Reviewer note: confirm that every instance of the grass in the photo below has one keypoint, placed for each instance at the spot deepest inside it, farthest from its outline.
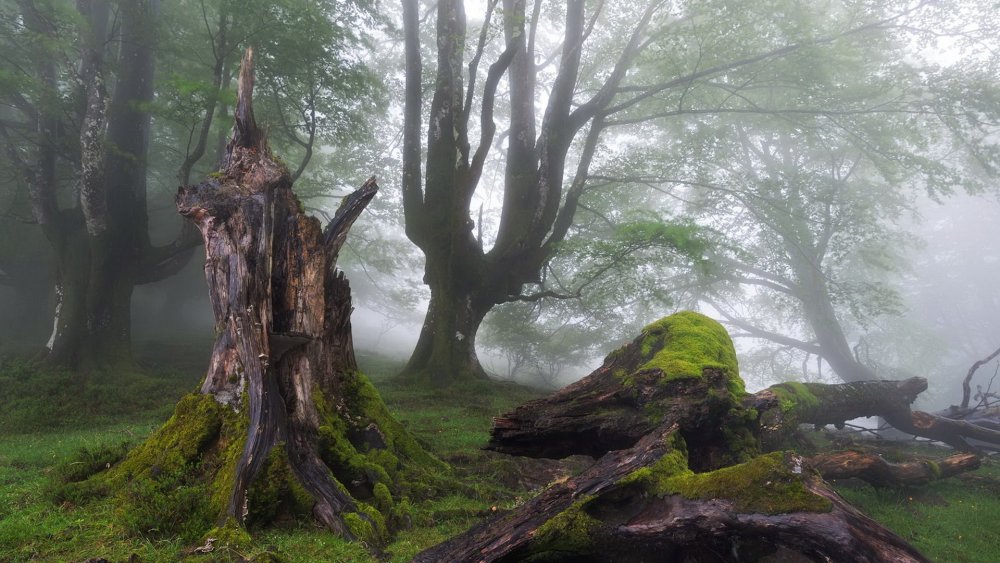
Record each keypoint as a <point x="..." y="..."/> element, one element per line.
<point x="49" y="417"/>
<point x="948" y="520"/>
<point x="43" y="422"/>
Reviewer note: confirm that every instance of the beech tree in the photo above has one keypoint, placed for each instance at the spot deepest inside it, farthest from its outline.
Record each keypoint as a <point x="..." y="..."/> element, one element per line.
<point x="811" y="209"/>
<point x="570" y="89"/>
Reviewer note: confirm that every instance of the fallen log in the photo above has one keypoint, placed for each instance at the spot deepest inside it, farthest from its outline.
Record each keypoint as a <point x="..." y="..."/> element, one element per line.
<point x="682" y="473"/>
<point x="784" y="406"/>
<point x="876" y="470"/>
<point x="644" y="504"/>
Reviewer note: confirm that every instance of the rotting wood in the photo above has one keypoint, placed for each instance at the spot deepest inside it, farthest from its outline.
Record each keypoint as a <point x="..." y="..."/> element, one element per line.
<point x="681" y="449"/>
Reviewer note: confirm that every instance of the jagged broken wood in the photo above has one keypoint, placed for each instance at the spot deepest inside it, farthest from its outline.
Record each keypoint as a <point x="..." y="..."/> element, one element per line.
<point x="642" y="504"/>
<point x="682" y="474"/>
<point x="281" y="309"/>
<point x="283" y="422"/>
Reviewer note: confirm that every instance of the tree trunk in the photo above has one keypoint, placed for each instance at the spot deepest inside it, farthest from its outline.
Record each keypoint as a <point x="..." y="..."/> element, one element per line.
<point x="680" y="474"/>
<point x="644" y="504"/>
<point x="92" y="324"/>
<point x="877" y="471"/>
<point x="99" y="245"/>
<point x="446" y="348"/>
<point x="465" y="280"/>
<point x="283" y="421"/>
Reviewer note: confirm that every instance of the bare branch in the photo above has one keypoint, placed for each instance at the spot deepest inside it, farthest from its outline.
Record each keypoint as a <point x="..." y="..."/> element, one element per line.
<point x="966" y="390"/>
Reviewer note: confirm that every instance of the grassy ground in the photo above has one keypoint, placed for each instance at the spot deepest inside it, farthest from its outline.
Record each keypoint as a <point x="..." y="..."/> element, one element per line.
<point x="43" y="423"/>
<point x="951" y="520"/>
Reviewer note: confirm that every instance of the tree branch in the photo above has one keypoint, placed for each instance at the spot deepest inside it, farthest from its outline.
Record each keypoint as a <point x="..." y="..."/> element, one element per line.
<point x="758" y="332"/>
<point x="966" y="388"/>
<point x="487" y="125"/>
<point x="350" y="208"/>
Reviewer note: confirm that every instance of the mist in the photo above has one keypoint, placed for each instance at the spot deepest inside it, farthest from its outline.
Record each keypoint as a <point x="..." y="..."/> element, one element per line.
<point x="522" y="198"/>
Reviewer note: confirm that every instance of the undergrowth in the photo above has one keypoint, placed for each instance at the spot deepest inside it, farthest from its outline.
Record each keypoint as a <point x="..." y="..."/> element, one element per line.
<point x="56" y="430"/>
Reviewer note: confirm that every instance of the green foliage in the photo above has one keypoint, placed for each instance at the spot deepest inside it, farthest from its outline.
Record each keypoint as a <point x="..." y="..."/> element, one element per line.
<point x="89" y="461"/>
<point x="943" y="519"/>
<point x="947" y="520"/>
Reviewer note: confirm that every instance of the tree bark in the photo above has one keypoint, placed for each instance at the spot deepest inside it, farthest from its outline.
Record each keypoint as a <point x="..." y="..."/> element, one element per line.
<point x="465" y="280"/>
<point x="101" y="246"/>
<point x="680" y="474"/>
<point x="640" y="504"/>
<point x="784" y="406"/>
<point x="98" y="245"/>
<point x="283" y="367"/>
<point x="877" y="471"/>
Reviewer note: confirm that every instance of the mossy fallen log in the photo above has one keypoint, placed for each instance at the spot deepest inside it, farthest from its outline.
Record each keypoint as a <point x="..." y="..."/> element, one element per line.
<point x="683" y="470"/>
<point x="784" y="406"/>
<point x="681" y="369"/>
<point x="645" y="504"/>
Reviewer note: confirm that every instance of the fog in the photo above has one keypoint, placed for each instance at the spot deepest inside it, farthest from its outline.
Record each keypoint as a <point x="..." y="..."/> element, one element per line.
<point x="922" y="303"/>
<point x="711" y="225"/>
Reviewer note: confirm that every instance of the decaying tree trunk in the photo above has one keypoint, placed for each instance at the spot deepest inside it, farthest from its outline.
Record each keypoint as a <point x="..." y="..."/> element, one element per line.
<point x="876" y="470"/>
<point x="784" y="406"/>
<point x="283" y="421"/>
<point x="643" y="504"/>
<point x="682" y="471"/>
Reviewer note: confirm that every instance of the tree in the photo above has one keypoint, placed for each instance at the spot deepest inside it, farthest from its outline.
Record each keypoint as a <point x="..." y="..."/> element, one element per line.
<point x="695" y="61"/>
<point x="811" y="211"/>
<point x="65" y="129"/>
<point x="284" y="422"/>
<point x="97" y="269"/>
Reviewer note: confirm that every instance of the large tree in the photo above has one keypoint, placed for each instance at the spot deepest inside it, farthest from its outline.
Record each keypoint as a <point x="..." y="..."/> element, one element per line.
<point x="813" y="205"/>
<point x="578" y="76"/>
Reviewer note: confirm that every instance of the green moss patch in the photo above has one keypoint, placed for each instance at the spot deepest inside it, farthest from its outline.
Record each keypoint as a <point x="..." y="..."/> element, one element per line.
<point x="684" y="344"/>
<point x="175" y="483"/>
<point x="572" y="530"/>
<point x="764" y="484"/>
<point x="794" y="396"/>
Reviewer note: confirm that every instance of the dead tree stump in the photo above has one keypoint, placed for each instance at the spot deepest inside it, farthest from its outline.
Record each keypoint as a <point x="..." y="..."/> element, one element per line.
<point x="283" y="421"/>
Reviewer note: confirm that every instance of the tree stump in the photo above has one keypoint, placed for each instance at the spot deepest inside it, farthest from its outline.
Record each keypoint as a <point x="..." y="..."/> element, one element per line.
<point x="683" y="472"/>
<point x="283" y="421"/>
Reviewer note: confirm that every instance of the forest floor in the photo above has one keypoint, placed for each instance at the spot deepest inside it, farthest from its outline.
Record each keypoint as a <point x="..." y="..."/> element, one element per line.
<point x="46" y="419"/>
